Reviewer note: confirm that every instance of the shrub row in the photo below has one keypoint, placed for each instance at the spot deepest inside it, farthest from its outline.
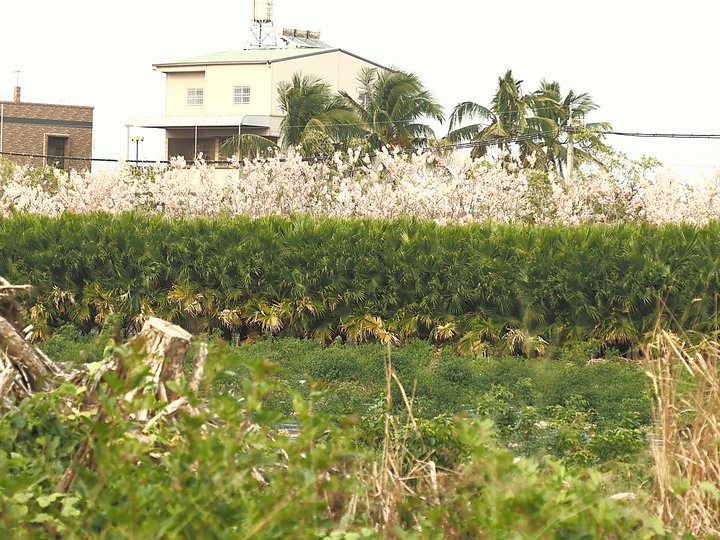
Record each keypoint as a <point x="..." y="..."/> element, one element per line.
<point x="324" y="277"/>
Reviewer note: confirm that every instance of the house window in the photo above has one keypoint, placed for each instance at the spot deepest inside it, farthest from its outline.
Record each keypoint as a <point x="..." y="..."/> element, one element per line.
<point x="56" y="151"/>
<point x="195" y="97"/>
<point x="241" y="95"/>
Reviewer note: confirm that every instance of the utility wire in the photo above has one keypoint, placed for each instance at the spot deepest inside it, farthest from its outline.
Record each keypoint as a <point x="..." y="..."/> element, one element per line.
<point x="664" y="135"/>
<point x="536" y="135"/>
<point x="74" y="158"/>
<point x="115" y="160"/>
<point x="449" y="146"/>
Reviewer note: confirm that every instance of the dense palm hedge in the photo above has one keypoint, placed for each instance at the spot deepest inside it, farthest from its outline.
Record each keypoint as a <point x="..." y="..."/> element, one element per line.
<point x="323" y="278"/>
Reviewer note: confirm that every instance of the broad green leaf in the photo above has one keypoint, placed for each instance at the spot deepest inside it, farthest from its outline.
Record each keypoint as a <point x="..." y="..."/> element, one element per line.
<point x="710" y="488"/>
<point x="43" y="518"/>
<point x="68" y="510"/>
<point x="22" y="497"/>
<point x="16" y="511"/>
<point x="46" y="500"/>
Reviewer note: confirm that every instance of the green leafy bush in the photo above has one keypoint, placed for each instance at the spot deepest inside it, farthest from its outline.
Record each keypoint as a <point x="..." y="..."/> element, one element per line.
<point x="68" y="346"/>
<point x="230" y="471"/>
<point x="38" y="443"/>
<point x="348" y="364"/>
<point x="614" y="390"/>
<point x="522" y="397"/>
<point x="7" y="169"/>
<point x="499" y="496"/>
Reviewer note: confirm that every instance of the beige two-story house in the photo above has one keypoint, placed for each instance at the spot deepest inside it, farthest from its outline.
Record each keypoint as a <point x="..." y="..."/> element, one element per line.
<point x="213" y="97"/>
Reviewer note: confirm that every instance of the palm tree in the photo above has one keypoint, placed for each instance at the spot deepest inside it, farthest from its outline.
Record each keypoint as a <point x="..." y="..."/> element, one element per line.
<point x="391" y="106"/>
<point x="505" y="124"/>
<point x="248" y="145"/>
<point x="567" y="114"/>
<point x="313" y="113"/>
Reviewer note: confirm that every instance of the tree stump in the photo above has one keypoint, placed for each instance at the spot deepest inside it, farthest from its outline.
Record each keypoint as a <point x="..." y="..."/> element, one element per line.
<point x="10" y="310"/>
<point x="164" y="346"/>
<point x="25" y="370"/>
<point x="23" y="357"/>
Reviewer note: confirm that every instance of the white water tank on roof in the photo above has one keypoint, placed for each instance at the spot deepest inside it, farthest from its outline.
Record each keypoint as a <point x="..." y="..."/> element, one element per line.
<point x="262" y="11"/>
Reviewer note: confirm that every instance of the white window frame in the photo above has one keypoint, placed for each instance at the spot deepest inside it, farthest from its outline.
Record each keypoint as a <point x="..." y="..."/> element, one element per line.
<point x="241" y="94"/>
<point x="195" y="97"/>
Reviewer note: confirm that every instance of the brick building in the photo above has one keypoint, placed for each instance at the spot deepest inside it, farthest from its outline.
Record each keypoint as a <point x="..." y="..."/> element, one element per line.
<point x="39" y="134"/>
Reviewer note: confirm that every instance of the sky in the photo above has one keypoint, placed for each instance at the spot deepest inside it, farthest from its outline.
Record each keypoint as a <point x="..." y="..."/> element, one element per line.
<point x="651" y="65"/>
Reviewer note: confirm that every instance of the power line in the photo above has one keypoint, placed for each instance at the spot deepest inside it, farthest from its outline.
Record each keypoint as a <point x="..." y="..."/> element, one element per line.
<point x="664" y="135"/>
<point x="128" y="161"/>
<point x="72" y="158"/>
<point x="539" y="134"/>
<point x="524" y="137"/>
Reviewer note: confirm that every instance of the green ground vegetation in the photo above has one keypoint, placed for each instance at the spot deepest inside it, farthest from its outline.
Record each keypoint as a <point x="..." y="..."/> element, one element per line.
<point x="561" y="406"/>
<point x="231" y="472"/>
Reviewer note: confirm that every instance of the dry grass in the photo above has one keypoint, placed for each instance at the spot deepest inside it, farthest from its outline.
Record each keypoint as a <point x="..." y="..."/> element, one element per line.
<point x="687" y="438"/>
<point x="398" y="475"/>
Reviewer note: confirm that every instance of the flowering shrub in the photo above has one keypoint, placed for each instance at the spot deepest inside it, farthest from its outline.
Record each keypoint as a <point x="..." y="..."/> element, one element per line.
<point x="441" y="187"/>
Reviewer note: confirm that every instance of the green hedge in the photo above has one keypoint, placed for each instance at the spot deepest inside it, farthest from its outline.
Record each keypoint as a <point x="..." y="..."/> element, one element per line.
<point x="324" y="278"/>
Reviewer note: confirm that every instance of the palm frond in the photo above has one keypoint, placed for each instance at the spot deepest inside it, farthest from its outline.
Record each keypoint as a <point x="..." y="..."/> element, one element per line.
<point x="248" y="145"/>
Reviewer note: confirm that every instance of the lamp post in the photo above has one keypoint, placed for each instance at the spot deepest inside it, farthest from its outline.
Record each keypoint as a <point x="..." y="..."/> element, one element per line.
<point x="137" y="140"/>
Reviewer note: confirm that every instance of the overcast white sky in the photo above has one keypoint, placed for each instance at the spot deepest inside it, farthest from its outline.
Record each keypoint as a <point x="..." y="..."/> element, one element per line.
<point x="650" y="64"/>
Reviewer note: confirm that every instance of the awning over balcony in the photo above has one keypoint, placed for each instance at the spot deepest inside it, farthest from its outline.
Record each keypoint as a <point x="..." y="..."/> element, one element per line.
<point x="170" y="122"/>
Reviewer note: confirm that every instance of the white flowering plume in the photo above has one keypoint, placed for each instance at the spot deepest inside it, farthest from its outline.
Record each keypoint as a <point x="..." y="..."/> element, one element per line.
<point x="439" y="187"/>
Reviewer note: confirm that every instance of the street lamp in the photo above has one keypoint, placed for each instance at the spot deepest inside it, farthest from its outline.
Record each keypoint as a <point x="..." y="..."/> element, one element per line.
<point x="137" y="140"/>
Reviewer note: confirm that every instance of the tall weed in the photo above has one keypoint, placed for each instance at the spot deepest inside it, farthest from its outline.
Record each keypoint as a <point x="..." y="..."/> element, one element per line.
<point x="687" y="436"/>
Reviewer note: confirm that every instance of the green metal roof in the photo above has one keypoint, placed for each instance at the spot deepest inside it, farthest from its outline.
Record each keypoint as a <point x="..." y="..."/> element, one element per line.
<point x="255" y="56"/>
<point x="246" y="56"/>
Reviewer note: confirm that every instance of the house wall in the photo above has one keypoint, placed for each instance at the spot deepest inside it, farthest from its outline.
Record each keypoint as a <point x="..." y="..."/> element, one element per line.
<point x="349" y="67"/>
<point x="27" y="126"/>
<point x="221" y="81"/>
<point x="336" y="68"/>
<point x="176" y="87"/>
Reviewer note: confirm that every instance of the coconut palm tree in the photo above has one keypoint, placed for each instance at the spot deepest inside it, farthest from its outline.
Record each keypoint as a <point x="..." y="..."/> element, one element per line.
<point x="567" y="113"/>
<point x="506" y="124"/>
<point x="248" y="145"/>
<point x="313" y="113"/>
<point x="392" y="106"/>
